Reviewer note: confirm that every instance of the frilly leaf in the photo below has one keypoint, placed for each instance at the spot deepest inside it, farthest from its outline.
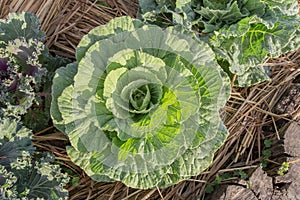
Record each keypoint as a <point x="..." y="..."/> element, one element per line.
<point x="286" y="7"/>
<point x="269" y="24"/>
<point x="15" y="142"/>
<point x="22" y="55"/>
<point x="18" y="25"/>
<point x="23" y="176"/>
<point x="36" y="180"/>
<point x="247" y="44"/>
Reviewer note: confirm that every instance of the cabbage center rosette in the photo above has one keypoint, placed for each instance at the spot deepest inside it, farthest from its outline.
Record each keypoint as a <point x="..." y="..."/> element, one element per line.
<point x="141" y="105"/>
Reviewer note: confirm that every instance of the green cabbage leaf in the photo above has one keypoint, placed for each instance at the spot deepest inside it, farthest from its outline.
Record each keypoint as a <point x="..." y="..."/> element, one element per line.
<point x="141" y="104"/>
<point x="242" y="33"/>
<point x="246" y="45"/>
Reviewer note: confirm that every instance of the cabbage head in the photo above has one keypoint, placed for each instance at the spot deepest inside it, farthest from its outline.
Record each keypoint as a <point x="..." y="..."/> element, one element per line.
<point x="141" y="104"/>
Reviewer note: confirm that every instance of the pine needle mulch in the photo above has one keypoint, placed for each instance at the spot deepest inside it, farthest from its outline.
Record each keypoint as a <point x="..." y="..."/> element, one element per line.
<point x="245" y="115"/>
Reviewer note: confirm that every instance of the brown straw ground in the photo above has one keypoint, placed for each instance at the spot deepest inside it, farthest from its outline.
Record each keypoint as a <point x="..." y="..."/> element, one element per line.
<point x="66" y="21"/>
<point x="247" y="111"/>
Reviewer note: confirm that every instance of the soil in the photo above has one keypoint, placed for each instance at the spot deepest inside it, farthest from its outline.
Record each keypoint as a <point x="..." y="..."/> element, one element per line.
<point x="260" y="186"/>
<point x="265" y="183"/>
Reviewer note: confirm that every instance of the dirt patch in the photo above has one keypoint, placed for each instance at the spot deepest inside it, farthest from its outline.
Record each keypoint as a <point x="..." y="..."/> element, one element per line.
<point x="260" y="186"/>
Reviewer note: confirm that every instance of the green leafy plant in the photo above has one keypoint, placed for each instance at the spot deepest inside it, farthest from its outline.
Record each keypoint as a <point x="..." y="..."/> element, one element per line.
<point x="241" y="174"/>
<point x="284" y="168"/>
<point x="210" y="188"/>
<point x="20" y="70"/>
<point x="242" y="33"/>
<point x="25" y="72"/>
<point x="24" y="64"/>
<point x="266" y="153"/>
<point x="225" y="177"/>
<point x="141" y="104"/>
<point x="268" y="143"/>
<point x="24" y="174"/>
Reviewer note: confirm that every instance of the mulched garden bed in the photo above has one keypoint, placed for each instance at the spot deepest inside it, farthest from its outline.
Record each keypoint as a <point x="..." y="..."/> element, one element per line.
<point x="254" y="116"/>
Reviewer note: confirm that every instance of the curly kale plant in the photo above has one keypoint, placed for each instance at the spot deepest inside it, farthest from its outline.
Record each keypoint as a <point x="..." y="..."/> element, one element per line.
<point x="22" y="174"/>
<point x="242" y="33"/>
<point x="24" y="62"/>
<point x="20" y="68"/>
<point x="141" y="105"/>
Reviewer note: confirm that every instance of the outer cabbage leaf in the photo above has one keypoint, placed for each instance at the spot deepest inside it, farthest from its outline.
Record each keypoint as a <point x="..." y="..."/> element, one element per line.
<point x="247" y="44"/>
<point x="64" y="77"/>
<point x="113" y="27"/>
<point x="144" y="104"/>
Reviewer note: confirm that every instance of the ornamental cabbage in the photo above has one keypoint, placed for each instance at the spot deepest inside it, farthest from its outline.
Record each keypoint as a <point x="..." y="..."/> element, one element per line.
<point x="25" y="65"/>
<point x="24" y="174"/>
<point x="20" y="68"/>
<point x="242" y="33"/>
<point x="141" y="104"/>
